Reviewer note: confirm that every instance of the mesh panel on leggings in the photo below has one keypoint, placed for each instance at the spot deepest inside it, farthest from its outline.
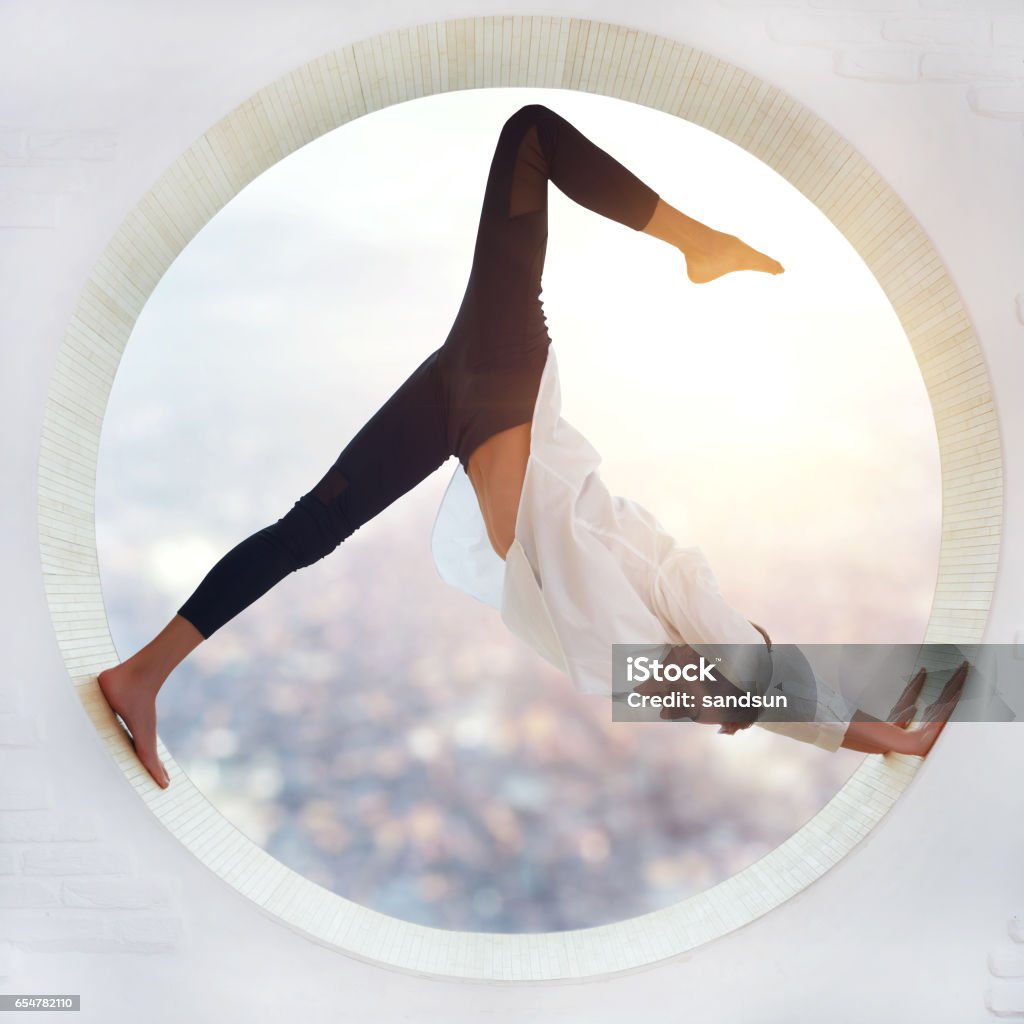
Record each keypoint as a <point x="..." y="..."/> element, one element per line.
<point x="528" y="193"/>
<point x="330" y="488"/>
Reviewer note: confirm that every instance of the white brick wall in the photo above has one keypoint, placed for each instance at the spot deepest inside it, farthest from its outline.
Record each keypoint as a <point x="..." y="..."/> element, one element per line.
<point x="1004" y="995"/>
<point x="863" y="5"/>
<point x="971" y="32"/>
<point x="879" y="65"/>
<point x="18" y="730"/>
<point x="812" y="28"/>
<point x="62" y="888"/>
<point x="92" y="896"/>
<point x="323" y="94"/>
<point x="1008" y="32"/>
<point x="1002" y="101"/>
<point x="972" y="67"/>
<point x="38" y="167"/>
<point x="984" y="6"/>
<point x="903" y="42"/>
<point x="11" y="962"/>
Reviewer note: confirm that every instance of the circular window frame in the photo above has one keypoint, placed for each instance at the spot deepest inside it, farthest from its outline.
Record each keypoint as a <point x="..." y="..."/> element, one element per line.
<point x="521" y="51"/>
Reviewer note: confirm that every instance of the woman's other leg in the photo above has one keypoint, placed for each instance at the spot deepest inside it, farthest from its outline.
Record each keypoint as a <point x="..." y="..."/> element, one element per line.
<point x="709" y="253"/>
<point x="553" y="149"/>
<point x="401" y="444"/>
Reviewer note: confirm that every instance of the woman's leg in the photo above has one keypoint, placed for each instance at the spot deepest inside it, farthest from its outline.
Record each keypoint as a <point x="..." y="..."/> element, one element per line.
<point x="552" y="149"/>
<point x="544" y="146"/>
<point x="402" y="443"/>
<point x="501" y="319"/>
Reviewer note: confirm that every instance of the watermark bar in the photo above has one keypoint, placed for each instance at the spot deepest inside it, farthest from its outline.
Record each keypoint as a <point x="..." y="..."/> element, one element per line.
<point x="34" y="1002"/>
<point x="741" y="683"/>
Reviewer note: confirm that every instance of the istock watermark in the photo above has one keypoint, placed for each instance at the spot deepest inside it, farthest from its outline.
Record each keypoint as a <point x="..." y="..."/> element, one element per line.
<point x="817" y="682"/>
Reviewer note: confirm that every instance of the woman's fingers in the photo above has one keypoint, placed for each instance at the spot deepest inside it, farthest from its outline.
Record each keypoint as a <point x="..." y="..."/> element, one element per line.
<point x="902" y="712"/>
<point x="913" y="691"/>
<point x="951" y="691"/>
<point x="904" y="720"/>
<point x="938" y="712"/>
<point x="934" y="725"/>
<point x="942" y="708"/>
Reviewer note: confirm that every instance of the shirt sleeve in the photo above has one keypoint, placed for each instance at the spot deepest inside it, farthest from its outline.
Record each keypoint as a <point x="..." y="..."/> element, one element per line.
<point x="686" y="597"/>
<point x="822" y="715"/>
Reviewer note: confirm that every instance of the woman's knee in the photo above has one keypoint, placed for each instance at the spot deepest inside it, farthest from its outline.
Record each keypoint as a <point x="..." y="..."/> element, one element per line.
<point x="530" y="114"/>
<point x="310" y="530"/>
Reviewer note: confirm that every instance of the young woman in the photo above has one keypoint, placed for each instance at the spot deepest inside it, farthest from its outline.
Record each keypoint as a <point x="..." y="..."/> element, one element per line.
<point x="572" y="568"/>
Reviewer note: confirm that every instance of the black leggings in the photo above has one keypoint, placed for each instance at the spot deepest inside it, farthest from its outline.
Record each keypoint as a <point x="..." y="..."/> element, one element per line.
<point x="482" y="380"/>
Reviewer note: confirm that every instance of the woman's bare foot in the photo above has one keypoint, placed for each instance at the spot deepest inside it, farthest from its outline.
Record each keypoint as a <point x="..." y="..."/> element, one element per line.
<point x="133" y="698"/>
<point x="709" y="253"/>
<point x="721" y="254"/>
<point x="131" y="687"/>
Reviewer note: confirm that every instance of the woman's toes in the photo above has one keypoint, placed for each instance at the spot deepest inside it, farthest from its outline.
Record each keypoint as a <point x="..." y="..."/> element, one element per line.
<point x="152" y="763"/>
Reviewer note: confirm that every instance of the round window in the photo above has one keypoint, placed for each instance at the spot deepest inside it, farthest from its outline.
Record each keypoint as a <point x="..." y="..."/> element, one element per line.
<point x="384" y="734"/>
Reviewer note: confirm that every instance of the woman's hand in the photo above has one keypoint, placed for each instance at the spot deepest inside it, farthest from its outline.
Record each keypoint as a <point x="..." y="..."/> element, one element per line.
<point x="902" y="712"/>
<point x="937" y="713"/>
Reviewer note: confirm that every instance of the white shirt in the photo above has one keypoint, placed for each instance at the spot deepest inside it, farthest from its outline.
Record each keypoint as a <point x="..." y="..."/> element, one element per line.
<point x="588" y="569"/>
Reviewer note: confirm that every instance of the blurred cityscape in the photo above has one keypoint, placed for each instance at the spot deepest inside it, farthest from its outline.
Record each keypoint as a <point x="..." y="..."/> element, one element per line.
<point x="414" y="757"/>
